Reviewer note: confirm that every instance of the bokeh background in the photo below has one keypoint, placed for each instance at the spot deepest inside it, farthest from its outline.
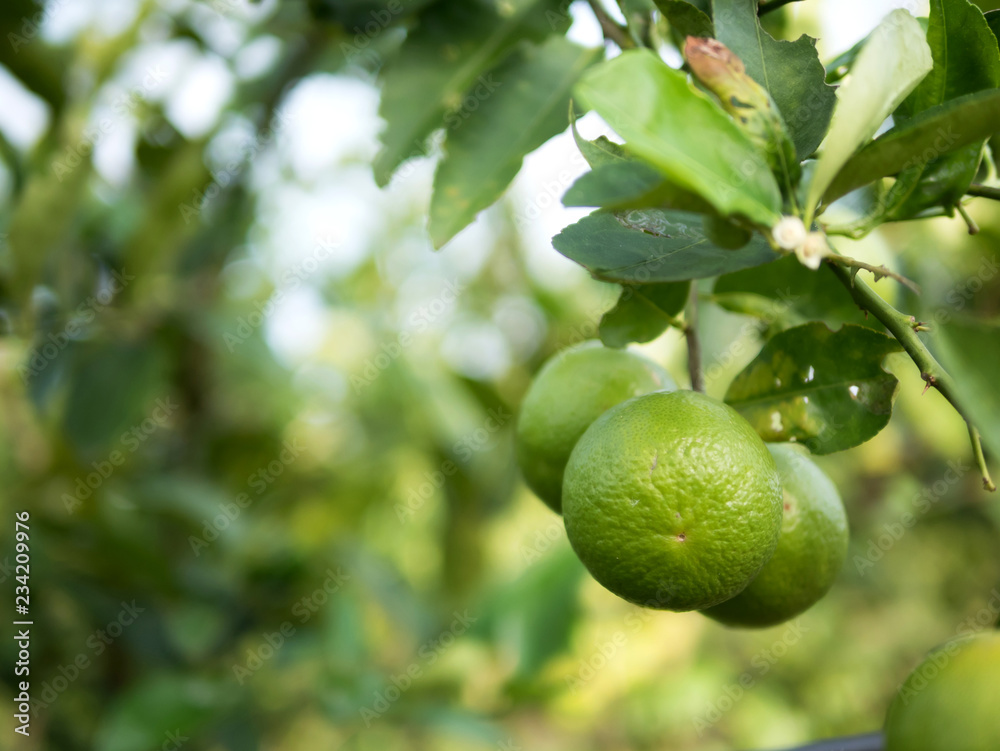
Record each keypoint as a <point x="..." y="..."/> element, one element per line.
<point x="264" y="432"/>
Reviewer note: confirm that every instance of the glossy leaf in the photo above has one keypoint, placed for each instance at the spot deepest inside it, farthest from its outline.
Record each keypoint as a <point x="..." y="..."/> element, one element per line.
<point x="450" y="53"/>
<point x="643" y="312"/>
<point x="894" y="60"/>
<point x="970" y="352"/>
<point x="686" y="19"/>
<point x="664" y="120"/>
<point x="653" y="245"/>
<point x="790" y="71"/>
<point x="630" y="184"/>
<point x="966" y="60"/>
<point x="484" y="151"/>
<point x="936" y="131"/>
<point x="825" y="389"/>
<point x="993" y="21"/>
<point x="786" y="293"/>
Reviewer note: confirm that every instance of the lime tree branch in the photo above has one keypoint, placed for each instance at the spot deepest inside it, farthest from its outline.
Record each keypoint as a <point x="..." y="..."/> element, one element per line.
<point x="612" y="30"/>
<point x="983" y="191"/>
<point x="904" y="328"/>
<point x="878" y="271"/>
<point x="767" y="7"/>
<point x="867" y="742"/>
<point x="693" y="343"/>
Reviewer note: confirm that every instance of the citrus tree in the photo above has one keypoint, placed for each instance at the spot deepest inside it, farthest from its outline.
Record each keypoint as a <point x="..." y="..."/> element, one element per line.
<point x="739" y="164"/>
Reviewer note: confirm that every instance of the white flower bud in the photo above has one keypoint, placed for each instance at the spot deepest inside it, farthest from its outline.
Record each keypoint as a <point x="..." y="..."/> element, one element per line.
<point x="789" y="233"/>
<point x="812" y="252"/>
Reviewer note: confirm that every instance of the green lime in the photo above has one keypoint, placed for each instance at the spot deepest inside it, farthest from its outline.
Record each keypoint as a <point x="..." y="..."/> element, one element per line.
<point x="672" y="501"/>
<point x="951" y="701"/>
<point x="810" y="552"/>
<point x="574" y="388"/>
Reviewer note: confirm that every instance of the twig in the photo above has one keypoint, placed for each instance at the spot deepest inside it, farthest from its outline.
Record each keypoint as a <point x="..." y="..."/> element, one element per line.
<point x="878" y="271"/>
<point x="766" y="7"/>
<point x="905" y="328"/>
<point x="969" y="221"/>
<point x="983" y="191"/>
<point x="867" y="742"/>
<point x="612" y="30"/>
<point x="977" y="450"/>
<point x="693" y="343"/>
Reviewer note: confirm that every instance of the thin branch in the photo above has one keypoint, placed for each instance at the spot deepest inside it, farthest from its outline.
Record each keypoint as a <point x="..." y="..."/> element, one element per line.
<point x="612" y="30"/>
<point x="693" y="343"/>
<point x="867" y="742"/>
<point x="977" y="450"/>
<point x="767" y="7"/>
<point x="983" y="191"/>
<point x="905" y="329"/>
<point x="878" y="271"/>
<point x="969" y="221"/>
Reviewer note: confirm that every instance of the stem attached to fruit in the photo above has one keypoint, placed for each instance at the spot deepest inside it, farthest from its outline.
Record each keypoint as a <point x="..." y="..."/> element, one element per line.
<point x="693" y="343"/>
<point x="904" y="328"/>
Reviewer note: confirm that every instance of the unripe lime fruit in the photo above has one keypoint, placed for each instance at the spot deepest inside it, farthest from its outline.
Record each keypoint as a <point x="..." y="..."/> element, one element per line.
<point x="574" y="388"/>
<point x="951" y="701"/>
<point x="672" y="501"/>
<point x="810" y="552"/>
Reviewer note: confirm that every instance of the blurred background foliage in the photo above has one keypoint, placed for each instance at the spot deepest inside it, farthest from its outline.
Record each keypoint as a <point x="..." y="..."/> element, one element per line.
<point x="264" y="432"/>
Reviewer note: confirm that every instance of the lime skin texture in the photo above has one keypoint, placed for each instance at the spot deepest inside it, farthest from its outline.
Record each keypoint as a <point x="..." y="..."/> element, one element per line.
<point x="951" y="702"/>
<point x="810" y="552"/>
<point x="672" y="501"/>
<point x="572" y="389"/>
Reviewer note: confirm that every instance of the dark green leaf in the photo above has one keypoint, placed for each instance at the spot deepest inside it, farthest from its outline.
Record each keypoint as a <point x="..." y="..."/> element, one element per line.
<point x="485" y="148"/>
<point x="825" y="389"/>
<point x="787" y="293"/>
<point x="790" y="71"/>
<point x="686" y="19"/>
<point x="653" y="245"/>
<point x="970" y="352"/>
<point x="993" y="21"/>
<point x="630" y="184"/>
<point x="642" y="313"/>
<point x="939" y="130"/>
<point x="450" y="53"/>
<point x="666" y="122"/>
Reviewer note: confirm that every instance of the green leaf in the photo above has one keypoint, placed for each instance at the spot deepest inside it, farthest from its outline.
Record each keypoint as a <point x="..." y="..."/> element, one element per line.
<point x="970" y="352"/>
<point x="790" y="71"/>
<point x="993" y="21"/>
<point x="892" y="62"/>
<point x="681" y="132"/>
<point x="653" y="245"/>
<point x="787" y="293"/>
<point x="484" y="151"/>
<point x="686" y="19"/>
<point x="966" y="60"/>
<point x="936" y="131"/>
<point x="642" y="313"/>
<point x="630" y="185"/>
<point x="450" y="53"/>
<point x="825" y="389"/>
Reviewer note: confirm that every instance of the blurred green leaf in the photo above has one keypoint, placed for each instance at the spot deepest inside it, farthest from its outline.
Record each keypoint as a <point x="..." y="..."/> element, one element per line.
<point x="790" y="71"/>
<point x="686" y="19"/>
<point x="664" y="121"/>
<point x="642" y="313"/>
<point x="451" y="52"/>
<point x="891" y="64"/>
<point x="970" y="352"/>
<point x="653" y="245"/>
<point x="825" y="389"/>
<point x="485" y="147"/>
